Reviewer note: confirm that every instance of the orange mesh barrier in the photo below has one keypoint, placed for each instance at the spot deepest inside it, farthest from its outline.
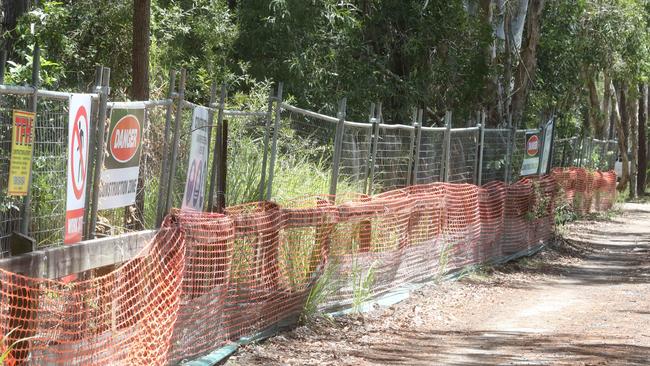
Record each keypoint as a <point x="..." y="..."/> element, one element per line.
<point x="586" y="190"/>
<point x="208" y="279"/>
<point x="123" y="318"/>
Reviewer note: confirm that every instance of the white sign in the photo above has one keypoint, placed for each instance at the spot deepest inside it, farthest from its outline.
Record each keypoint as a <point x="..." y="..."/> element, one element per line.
<point x="546" y="151"/>
<point x="197" y="169"/>
<point x="119" y="180"/>
<point x="78" y="138"/>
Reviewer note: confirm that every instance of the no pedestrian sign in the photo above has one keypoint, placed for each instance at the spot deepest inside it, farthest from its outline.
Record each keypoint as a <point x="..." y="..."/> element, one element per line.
<point x="22" y="150"/>
<point x="78" y="138"/>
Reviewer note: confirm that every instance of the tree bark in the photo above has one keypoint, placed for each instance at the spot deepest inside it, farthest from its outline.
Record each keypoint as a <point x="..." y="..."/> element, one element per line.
<point x="633" y="106"/>
<point x="526" y="69"/>
<point x="622" y="141"/>
<point x="12" y="10"/>
<point x="595" y="113"/>
<point x="134" y="216"/>
<point x="140" y="51"/>
<point x="606" y="109"/>
<point x="643" y="147"/>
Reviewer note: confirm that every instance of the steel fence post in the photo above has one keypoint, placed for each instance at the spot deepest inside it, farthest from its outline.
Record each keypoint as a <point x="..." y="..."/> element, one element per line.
<point x="509" y="152"/>
<point x="338" y="146"/>
<point x="447" y="147"/>
<point x="418" y="142"/>
<point x="175" y="141"/>
<point x="371" y="117"/>
<point x="267" y="133"/>
<point x="36" y="82"/>
<point x="101" y="143"/>
<point x="274" y="145"/>
<point x="162" y="183"/>
<point x="93" y="152"/>
<point x="478" y="178"/>
<point x="409" y="167"/>
<point x="218" y="142"/>
<point x="222" y="168"/>
<point x="213" y="99"/>
<point x="375" y="120"/>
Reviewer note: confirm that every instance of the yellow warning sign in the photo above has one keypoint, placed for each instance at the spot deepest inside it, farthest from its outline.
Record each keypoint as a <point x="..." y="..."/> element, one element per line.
<point x="22" y="149"/>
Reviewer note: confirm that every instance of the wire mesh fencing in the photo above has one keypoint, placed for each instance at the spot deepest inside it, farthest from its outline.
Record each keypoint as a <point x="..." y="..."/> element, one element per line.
<point x="495" y="149"/>
<point x="394" y="157"/>
<point x="430" y="165"/>
<point x="464" y="152"/>
<point x="11" y="208"/>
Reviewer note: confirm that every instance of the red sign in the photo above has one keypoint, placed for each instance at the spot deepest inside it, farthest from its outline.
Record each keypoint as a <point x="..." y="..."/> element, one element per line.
<point x="532" y="145"/>
<point x="79" y="133"/>
<point x="125" y="139"/>
<point x="78" y="151"/>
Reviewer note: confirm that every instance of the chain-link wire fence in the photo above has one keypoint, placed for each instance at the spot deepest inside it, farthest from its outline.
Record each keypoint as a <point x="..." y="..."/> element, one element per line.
<point x="394" y="156"/>
<point x="430" y="165"/>
<point x="495" y="149"/>
<point x="11" y="207"/>
<point x="464" y="155"/>
<point x="374" y="157"/>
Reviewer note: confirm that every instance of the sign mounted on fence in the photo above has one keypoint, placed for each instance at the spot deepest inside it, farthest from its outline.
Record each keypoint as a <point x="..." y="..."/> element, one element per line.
<point x="119" y="180"/>
<point x="78" y="138"/>
<point x="547" y="151"/>
<point x="530" y="166"/>
<point x="22" y="150"/>
<point x="197" y="169"/>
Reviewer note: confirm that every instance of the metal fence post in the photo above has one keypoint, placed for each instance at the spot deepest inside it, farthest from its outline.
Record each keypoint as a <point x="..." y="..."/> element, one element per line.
<point x="222" y="168"/>
<point x="418" y="143"/>
<point x="101" y="144"/>
<point x="175" y="141"/>
<point x="267" y="133"/>
<point x="509" y="151"/>
<point x="93" y="152"/>
<point x="217" y="147"/>
<point x="478" y="178"/>
<point x="162" y="183"/>
<point x="375" y="120"/>
<point x="36" y="82"/>
<point x="409" y="168"/>
<point x="274" y="145"/>
<point x="338" y="146"/>
<point x="371" y="117"/>
<point x="447" y="148"/>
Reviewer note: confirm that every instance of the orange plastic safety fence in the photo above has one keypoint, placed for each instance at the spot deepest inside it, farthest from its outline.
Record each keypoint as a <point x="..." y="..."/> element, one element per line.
<point x="209" y="279"/>
<point x="125" y="317"/>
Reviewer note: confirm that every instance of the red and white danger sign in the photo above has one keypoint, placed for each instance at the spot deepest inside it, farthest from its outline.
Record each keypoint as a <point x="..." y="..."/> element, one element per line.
<point x="78" y="137"/>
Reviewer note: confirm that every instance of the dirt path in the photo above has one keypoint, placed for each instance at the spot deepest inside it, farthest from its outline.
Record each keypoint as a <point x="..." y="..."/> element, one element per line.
<point x="585" y="301"/>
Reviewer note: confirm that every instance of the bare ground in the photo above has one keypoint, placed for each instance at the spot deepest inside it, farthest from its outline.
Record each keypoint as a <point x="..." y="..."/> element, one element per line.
<point x="583" y="301"/>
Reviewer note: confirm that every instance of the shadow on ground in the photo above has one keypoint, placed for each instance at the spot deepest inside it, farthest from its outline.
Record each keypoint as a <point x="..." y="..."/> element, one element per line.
<point x="496" y="348"/>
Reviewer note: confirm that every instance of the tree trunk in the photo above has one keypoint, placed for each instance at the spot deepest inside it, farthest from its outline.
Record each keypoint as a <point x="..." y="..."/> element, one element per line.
<point x="606" y="110"/>
<point x="633" y="105"/>
<point x="643" y="147"/>
<point x="134" y="216"/>
<point x="526" y="69"/>
<point x="12" y="10"/>
<point x="622" y="141"/>
<point x="140" y="51"/>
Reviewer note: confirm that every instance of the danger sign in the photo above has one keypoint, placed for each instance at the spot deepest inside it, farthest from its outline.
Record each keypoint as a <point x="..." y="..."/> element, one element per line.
<point x="530" y="165"/>
<point x="119" y="181"/>
<point x="532" y="145"/>
<point x="78" y="138"/>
